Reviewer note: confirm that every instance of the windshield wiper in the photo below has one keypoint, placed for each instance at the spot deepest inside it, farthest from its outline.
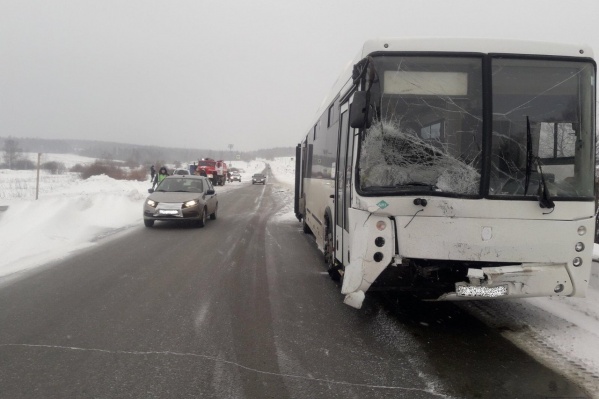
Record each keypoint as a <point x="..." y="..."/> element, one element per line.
<point x="529" y="156"/>
<point x="544" y="200"/>
<point x="543" y="191"/>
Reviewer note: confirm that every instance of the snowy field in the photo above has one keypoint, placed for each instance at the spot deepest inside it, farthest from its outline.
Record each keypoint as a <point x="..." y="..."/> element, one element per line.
<point x="71" y="214"/>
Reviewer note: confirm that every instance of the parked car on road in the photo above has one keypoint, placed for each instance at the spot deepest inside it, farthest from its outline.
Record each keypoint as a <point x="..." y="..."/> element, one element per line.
<point x="180" y="198"/>
<point x="258" y="178"/>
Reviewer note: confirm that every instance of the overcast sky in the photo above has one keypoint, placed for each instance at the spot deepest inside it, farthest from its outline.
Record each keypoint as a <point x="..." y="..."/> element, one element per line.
<point x="209" y="73"/>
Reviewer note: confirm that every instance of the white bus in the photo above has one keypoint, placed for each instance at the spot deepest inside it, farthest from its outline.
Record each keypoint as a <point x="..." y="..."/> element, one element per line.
<point x="455" y="169"/>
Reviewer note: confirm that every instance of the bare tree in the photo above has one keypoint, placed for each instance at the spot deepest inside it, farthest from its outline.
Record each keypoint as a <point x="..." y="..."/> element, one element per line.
<point x="12" y="152"/>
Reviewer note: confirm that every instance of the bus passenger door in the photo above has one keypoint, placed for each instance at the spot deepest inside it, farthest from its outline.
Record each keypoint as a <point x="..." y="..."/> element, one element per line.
<point x="341" y="188"/>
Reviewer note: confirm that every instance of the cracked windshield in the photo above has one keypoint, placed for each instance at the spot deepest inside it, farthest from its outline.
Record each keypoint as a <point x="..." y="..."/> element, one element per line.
<point x="541" y="131"/>
<point x="427" y="130"/>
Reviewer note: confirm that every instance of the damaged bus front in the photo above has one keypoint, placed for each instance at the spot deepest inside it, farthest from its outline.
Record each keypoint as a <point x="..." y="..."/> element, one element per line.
<point x="463" y="174"/>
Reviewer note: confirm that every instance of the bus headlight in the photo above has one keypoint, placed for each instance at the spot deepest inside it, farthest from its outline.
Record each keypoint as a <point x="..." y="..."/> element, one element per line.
<point x="582" y="230"/>
<point x="579" y="247"/>
<point x="381" y="225"/>
<point x="577" y="262"/>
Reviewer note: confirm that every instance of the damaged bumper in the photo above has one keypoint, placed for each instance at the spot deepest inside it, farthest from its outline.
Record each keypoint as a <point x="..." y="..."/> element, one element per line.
<point x="514" y="282"/>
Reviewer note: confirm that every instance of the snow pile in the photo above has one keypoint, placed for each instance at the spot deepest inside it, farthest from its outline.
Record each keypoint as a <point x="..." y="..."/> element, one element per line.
<point x="67" y="216"/>
<point x="284" y="169"/>
<point x="391" y="157"/>
<point x="21" y="183"/>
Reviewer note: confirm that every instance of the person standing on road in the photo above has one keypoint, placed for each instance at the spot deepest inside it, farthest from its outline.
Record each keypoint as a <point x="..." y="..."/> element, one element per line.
<point x="152" y="173"/>
<point x="162" y="173"/>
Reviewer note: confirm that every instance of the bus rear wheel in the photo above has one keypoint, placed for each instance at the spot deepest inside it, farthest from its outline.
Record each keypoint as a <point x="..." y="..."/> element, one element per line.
<point x="329" y="256"/>
<point x="305" y="227"/>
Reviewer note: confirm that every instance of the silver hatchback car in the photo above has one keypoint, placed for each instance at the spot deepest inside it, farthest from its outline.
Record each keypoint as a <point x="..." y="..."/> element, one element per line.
<point x="179" y="198"/>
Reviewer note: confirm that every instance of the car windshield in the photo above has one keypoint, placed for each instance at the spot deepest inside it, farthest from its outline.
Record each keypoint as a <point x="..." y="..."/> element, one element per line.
<point x="259" y="176"/>
<point x="186" y="185"/>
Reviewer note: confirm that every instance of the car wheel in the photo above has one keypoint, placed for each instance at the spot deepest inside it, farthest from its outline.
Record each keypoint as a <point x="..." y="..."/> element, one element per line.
<point x="213" y="215"/>
<point x="148" y="222"/>
<point x="202" y="221"/>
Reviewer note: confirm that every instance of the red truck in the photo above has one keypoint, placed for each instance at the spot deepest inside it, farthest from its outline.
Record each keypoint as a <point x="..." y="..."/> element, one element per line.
<point x="215" y="170"/>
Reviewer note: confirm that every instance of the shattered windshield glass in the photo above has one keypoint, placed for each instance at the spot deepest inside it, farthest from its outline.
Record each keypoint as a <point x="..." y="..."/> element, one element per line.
<point x="427" y="126"/>
<point x="542" y="116"/>
<point x="426" y="131"/>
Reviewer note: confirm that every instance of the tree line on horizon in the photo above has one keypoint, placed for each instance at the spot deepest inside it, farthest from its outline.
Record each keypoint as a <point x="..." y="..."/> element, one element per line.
<point x="130" y="153"/>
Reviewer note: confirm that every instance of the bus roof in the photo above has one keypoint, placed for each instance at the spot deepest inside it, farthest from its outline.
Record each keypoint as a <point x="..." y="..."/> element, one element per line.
<point x="479" y="45"/>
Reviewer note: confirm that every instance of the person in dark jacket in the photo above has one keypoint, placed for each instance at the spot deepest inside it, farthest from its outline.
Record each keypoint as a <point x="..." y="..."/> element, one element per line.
<point x="152" y="173"/>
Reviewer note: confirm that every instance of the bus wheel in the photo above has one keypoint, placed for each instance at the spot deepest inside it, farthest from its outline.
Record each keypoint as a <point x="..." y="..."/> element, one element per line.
<point x="329" y="256"/>
<point x="305" y="227"/>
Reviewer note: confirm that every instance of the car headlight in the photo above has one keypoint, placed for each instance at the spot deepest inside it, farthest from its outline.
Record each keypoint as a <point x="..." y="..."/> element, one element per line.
<point x="151" y="203"/>
<point x="189" y="204"/>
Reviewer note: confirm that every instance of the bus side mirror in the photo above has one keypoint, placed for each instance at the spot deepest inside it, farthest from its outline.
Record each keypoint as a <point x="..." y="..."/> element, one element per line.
<point x="358" y="110"/>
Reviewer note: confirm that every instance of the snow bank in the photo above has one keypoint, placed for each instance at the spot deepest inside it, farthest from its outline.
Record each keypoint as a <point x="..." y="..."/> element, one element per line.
<point x="69" y="214"/>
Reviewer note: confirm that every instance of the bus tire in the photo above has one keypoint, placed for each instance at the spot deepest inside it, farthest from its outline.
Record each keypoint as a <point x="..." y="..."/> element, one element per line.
<point x="329" y="252"/>
<point x="305" y="227"/>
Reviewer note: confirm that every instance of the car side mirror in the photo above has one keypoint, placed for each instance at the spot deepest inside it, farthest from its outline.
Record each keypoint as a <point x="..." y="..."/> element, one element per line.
<point x="210" y="192"/>
<point x="358" y="110"/>
<point x="150" y="190"/>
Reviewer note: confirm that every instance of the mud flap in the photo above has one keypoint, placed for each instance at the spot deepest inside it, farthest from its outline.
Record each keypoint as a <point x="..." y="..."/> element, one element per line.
<point x="355" y="299"/>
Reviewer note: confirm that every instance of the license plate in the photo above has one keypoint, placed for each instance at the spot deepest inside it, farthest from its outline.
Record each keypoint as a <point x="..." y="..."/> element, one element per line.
<point x="168" y="212"/>
<point x="481" y="291"/>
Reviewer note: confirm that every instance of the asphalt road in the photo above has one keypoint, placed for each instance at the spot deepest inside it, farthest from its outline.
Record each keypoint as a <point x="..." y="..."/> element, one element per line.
<point x="242" y="308"/>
